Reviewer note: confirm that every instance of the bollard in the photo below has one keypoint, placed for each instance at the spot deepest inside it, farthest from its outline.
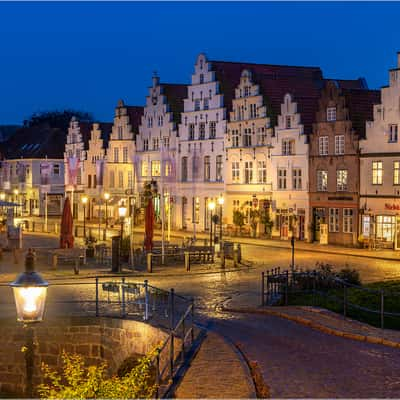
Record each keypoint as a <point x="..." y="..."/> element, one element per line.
<point x="76" y="267"/>
<point x="146" y="300"/>
<point x="187" y="261"/>
<point x="149" y="260"/>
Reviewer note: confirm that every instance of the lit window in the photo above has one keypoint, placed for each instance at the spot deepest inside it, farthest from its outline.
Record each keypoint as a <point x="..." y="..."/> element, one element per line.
<point x="219" y="169"/>
<point x="155" y="168"/>
<point x="282" y="174"/>
<point x="296" y="176"/>
<point x="377" y="173"/>
<point x="287" y="147"/>
<point x="144" y="169"/>
<point x="341" y="180"/>
<point x="125" y="154"/>
<point x="120" y="179"/>
<point x="347" y="220"/>
<point x="333" y="220"/>
<point x="331" y="114"/>
<point x="235" y="138"/>
<point x="339" y="144"/>
<point x="207" y="168"/>
<point x="396" y="173"/>
<point x="248" y="172"/>
<point x="322" y="181"/>
<point x="116" y="155"/>
<point x="235" y="172"/>
<point x="262" y="171"/>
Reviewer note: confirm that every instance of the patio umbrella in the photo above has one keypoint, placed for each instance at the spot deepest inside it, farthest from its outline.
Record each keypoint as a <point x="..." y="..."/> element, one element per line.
<point x="66" y="236"/>
<point x="149" y="226"/>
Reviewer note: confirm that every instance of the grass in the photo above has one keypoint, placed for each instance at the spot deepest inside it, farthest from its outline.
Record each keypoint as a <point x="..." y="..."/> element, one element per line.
<point x="333" y="299"/>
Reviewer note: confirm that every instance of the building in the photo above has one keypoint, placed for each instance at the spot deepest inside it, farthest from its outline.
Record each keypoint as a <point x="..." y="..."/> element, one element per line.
<point x="157" y="144"/>
<point x="380" y="169"/>
<point x="119" y="166"/>
<point x="344" y="108"/>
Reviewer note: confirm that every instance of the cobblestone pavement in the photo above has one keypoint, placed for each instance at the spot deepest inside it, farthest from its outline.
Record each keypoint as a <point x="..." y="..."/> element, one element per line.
<point x="216" y="372"/>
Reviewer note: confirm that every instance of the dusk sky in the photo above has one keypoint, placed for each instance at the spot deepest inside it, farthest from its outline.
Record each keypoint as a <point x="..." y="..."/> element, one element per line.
<point x="86" y="56"/>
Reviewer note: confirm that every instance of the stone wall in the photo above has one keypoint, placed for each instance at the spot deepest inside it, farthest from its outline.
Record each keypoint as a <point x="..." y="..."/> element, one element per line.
<point x="97" y="339"/>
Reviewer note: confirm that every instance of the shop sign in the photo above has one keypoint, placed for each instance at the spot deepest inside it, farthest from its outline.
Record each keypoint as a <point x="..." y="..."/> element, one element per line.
<point x="392" y="206"/>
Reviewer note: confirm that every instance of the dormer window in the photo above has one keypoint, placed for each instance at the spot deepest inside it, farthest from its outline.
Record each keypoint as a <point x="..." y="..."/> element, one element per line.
<point x="288" y="122"/>
<point x="120" y="133"/>
<point x="331" y="114"/>
<point x="201" y="78"/>
<point x="246" y="91"/>
<point x="393" y="133"/>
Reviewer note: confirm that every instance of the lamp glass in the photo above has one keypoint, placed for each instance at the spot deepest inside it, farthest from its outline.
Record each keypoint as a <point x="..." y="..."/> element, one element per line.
<point x="221" y="200"/>
<point x="84" y="199"/>
<point x="106" y="196"/>
<point x="122" y="211"/>
<point x="30" y="292"/>
<point x="211" y="205"/>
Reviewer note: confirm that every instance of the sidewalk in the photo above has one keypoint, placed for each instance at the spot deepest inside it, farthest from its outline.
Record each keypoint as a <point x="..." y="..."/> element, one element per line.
<point x="317" y="318"/>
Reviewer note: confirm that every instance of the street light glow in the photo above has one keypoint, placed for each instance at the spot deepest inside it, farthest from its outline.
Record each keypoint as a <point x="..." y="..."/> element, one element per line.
<point x="221" y="200"/>
<point x="106" y="196"/>
<point x="84" y="199"/>
<point x="122" y="210"/>
<point x="211" y="205"/>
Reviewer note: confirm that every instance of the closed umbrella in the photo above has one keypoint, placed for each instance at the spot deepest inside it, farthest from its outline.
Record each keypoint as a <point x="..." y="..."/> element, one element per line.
<point x="66" y="236"/>
<point x="149" y="226"/>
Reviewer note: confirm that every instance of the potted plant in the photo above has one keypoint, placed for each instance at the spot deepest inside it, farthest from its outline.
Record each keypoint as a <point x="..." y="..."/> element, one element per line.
<point x="238" y="220"/>
<point x="89" y="242"/>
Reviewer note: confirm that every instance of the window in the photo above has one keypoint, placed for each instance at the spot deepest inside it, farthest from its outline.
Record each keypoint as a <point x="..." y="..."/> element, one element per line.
<point x="288" y="122"/>
<point x="160" y="120"/>
<point x="262" y="171"/>
<point x="145" y="144"/>
<point x="89" y="180"/>
<point x="144" y="169"/>
<point x="213" y="129"/>
<point x="247" y="137"/>
<point x="396" y="173"/>
<point x="331" y="114"/>
<point x="205" y="104"/>
<point x="393" y="133"/>
<point x="322" y="181"/>
<point x="235" y="138"/>
<point x="339" y="144"/>
<point x="385" y="227"/>
<point x="116" y="155"/>
<point x="333" y="220"/>
<point x="341" y="180"/>
<point x="155" y="168"/>
<point x="167" y="168"/>
<point x="156" y="143"/>
<point x="248" y="172"/>
<point x="201" y="78"/>
<point x="120" y="133"/>
<point x="253" y="111"/>
<point x="112" y="179"/>
<point x="282" y="178"/>
<point x="202" y="131"/>
<point x="377" y="172"/>
<point x="197" y="105"/>
<point x="347" y="220"/>
<point x="79" y="177"/>
<point x="296" y="177"/>
<point x="166" y="142"/>
<point x="94" y="181"/>
<point x="184" y="168"/>
<point x="191" y="131"/>
<point x="56" y="169"/>
<point x="130" y="179"/>
<point x="323" y="145"/>
<point x="247" y="91"/>
<point x="120" y="179"/>
<point x="219" y="169"/>
<point x="195" y="210"/>
<point x="125" y="154"/>
<point x="287" y="147"/>
<point x="235" y="172"/>
<point x="207" y="168"/>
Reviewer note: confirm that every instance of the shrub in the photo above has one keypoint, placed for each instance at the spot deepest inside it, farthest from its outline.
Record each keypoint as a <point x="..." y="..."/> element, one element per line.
<point x="87" y="382"/>
<point x="350" y="276"/>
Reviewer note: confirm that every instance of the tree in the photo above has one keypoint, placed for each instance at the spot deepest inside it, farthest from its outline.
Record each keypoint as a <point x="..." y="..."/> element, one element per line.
<point x="238" y="219"/>
<point x="265" y="219"/>
<point x="56" y="118"/>
<point x="88" y="382"/>
<point x="254" y="215"/>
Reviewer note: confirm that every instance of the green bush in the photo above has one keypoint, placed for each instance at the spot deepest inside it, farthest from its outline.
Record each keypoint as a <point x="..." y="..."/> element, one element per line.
<point x="77" y="381"/>
<point x="350" y="276"/>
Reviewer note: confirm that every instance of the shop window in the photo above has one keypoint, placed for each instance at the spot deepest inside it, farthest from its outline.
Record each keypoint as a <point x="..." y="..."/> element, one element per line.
<point x="385" y="227"/>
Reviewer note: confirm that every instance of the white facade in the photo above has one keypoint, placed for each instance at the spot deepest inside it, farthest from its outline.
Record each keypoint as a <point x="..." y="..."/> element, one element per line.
<point x="380" y="168"/>
<point x="289" y="171"/>
<point x="248" y="174"/>
<point x="201" y="135"/>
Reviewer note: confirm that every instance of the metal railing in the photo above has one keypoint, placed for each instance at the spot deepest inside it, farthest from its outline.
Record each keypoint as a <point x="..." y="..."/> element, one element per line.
<point x="375" y="306"/>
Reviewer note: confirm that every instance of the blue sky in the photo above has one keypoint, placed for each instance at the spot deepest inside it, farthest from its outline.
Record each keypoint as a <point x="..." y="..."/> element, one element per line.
<point x="88" y="55"/>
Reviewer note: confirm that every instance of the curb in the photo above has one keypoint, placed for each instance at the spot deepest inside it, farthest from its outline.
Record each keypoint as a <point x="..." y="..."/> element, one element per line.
<point x="318" y="327"/>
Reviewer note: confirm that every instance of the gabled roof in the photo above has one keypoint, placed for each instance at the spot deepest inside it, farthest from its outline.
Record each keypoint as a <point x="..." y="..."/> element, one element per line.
<point x="85" y="128"/>
<point x="105" y="128"/>
<point x="175" y="94"/>
<point x="135" y="115"/>
<point x="360" y="105"/>
<point x="303" y="83"/>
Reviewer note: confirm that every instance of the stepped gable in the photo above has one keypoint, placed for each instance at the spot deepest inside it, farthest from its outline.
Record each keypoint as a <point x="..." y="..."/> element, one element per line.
<point x="360" y="104"/>
<point x="135" y="115"/>
<point x="85" y="129"/>
<point x="303" y="83"/>
<point x="106" y="128"/>
<point x="175" y="94"/>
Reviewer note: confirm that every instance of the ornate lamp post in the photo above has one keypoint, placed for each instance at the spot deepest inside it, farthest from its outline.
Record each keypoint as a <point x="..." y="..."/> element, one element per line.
<point x="106" y="198"/>
<point x="122" y="214"/>
<point x="221" y="204"/>
<point x="211" y="207"/>
<point x="16" y="193"/>
<point x="84" y="200"/>
<point x="30" y="291"/>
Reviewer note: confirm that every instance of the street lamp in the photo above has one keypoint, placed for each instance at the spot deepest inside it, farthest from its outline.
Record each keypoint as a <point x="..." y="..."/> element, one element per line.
<point x="30" y="291"/>
<point x="16" y="192"/>
<point x="221" y="203"/>
<point x="84" y="200"/>
<point x="122" y="214"/>
<point x="211" y="207"/>
<point x="106" y="198"/>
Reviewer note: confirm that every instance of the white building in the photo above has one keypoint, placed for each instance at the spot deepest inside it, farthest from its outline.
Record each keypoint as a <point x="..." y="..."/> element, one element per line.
<point x="157" y="143"/>
<point x="380" y="169"/>
<point x="289" y="164"/>
<point x="201" y="148"/>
